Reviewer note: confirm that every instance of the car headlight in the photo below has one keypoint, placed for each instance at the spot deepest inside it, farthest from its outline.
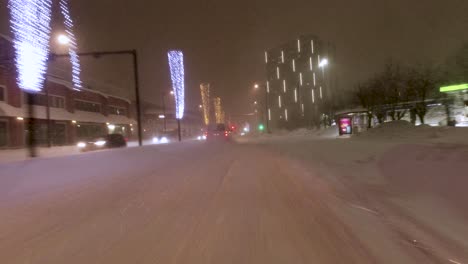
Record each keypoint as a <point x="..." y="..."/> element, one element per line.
<point x="100" y="143"/>
<point x="204" y="137"/>
<point x="155" y="140"/>
<point x="81" y="144"/>
<point x="164" y="140"/>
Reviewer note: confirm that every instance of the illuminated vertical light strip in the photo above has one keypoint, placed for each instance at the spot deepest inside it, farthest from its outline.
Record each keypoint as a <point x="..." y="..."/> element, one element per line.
<point x="205" y="94"/>
<point x="311" y="64"/>
<point x="312" y="45"/>
<point x="286" y="114"/>
<point x="30" y="25"/>
<point x="268" y="87"/>
<point x="302" y="108"/>
<point x="176" y="65"/>
<point x="266" y="57"/>
<point x="282" y="56"/>
<point x="279" y="101"/>
<point x="269" y="114"/>
<point x="294" y="65"/>
<point x="318" y="57"/>
<point x="314" y="79"/>
<point x="219" y="115"/>
<point x="320" y="92"/>
<point x="295" y="95"/>
<point x="72" y="45"/>
<point x="277" y="72"/>
<point x="298" y="45"/>
<point x="284" y="85"/>
<point x="313" y="96"/>
<point x="300" y="78"/>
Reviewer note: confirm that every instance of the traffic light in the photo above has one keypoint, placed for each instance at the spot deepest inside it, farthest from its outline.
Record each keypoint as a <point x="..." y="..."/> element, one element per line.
<point x="261" y="127"/>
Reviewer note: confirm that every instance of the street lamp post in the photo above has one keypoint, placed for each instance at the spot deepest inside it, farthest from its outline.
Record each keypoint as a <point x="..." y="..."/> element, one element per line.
<point x="267" y="121"/>
<point x="134" y="55"/>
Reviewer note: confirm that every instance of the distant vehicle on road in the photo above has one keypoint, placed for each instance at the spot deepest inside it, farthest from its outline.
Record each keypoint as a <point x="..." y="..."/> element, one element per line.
<point x="167" y="137"/>
<point x="104" y="142"/>
<point x="218" y="132"/>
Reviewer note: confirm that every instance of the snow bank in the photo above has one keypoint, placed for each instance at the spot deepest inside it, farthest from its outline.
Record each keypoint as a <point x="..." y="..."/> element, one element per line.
<point x="404" y="130"/>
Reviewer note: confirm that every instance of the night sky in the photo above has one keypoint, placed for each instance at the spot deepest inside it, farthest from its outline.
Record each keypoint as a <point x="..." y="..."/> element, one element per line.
<point x="224" y="41"/>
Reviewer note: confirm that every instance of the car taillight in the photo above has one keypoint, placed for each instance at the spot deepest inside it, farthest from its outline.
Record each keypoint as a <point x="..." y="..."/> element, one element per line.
<point x="226" y="134"/>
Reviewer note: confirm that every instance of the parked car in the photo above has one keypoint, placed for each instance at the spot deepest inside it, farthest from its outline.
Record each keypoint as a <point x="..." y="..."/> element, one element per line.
<point x="104" y="142"/>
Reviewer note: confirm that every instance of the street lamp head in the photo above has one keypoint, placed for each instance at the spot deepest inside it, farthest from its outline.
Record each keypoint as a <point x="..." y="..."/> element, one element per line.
<point x="172" y="92"/>
<point x="63" y="39"/>
<point x="256" y="86"/>
<point x="323" y="63"/>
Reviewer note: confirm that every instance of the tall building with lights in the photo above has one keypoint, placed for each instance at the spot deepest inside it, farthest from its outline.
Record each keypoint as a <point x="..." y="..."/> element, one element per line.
<point x="298" y="82"/>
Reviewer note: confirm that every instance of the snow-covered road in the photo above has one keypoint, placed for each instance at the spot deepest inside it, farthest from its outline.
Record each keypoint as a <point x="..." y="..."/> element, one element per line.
<point x="288" y="202"/>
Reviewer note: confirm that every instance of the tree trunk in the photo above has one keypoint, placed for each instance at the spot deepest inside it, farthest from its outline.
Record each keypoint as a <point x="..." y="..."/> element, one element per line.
<point x="369" y="120"/>
<point x="421" y="117"/>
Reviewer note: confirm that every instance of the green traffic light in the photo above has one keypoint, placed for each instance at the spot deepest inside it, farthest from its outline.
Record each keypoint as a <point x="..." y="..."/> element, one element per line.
<point x="261" y="127"/>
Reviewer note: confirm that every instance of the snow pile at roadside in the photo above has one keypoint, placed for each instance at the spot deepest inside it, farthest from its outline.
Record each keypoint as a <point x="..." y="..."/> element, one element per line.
<point x="405" y="130"/>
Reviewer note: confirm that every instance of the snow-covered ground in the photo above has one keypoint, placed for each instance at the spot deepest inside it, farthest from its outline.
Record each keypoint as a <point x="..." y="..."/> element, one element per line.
<point x="301" y="197"/>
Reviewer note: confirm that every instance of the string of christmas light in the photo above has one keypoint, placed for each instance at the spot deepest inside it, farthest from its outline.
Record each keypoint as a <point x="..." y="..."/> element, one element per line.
<point x="205" y="95"/>
<point x="218" y="111"/>
<point x="176" y="66"/>
<point x="72" y="46"/>
<point x="30" y="25"/>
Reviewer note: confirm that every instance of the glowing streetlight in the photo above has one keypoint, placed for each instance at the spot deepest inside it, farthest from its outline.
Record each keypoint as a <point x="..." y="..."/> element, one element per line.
<point x="63" y="39"/>
<point x="256" y="86"/>
<point x="172" y="92"/>
<point x="323" y="63"/>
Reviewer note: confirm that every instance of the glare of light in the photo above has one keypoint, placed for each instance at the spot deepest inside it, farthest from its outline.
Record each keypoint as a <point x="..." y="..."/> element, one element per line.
<point x="300" y="78"/>
<point x="164" y="140"/>
<point x="81" y="144"/>
<point x="320" y="92"/>
<point x="73" y="121"/>
<point x="266" y="57"/>
<point x="155" y="140"/>
<point x="282" y="56"/>
<point x="255" y="102"/>
<point x="256" y="86"/>
<point x="100" y="143"/>
<point x="176" y="65"/>
<point x="298" y="45"/>
<point x="294" y="65"/>
<point x="72" y="45"/>
<point x="19" y="118"/>
<point x="313" y="96"/>
<point x="284" y="85"/>
<point x="111" y="127"/>
<point x="162" y="116"/>
<point x="277" y="72"/>
<point x="30" y="25"/>
<point x="452" y="88"/>
<point x="286" y="114"/>
<point x="63" y="40"/>
<point x="171" y="92"/>
<point x="323" y="63"/>
<point x="295" y="95"/>
<point x="261" y="127"/>
<point x="279" y="101"/>
<point x="199" y="138"/>
<point x="269" y="114"/>
<point x="200" y="106"/>
<point x="246" y="129"/>
<point x="312" y="45"/>
<point x="204" y="137"/>
<point x="311" y="64"/>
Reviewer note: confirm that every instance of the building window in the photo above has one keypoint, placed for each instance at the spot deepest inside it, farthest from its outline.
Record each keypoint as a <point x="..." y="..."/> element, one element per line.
<point x="113" y="110"/>
<point x="282" y="56"/>
<point x="268" y="87"/>
<point x="311" y="64"/>
<point x="312" y="45"/>
<point x="294" y="65"/>
<point x="314" y="79"/>
<point x="284" y="86"/>
<point x="277" y="73"/>
<point x="2" y="93"/>
<point x="87" y="106"/>
<point x="299" y="45"/>
<point x="279" y="101"/>
<point x="295" y="95"/>
<point x="266" y="57"/>
<point x="300" y="78"/>
<point x="56" y="101"/>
